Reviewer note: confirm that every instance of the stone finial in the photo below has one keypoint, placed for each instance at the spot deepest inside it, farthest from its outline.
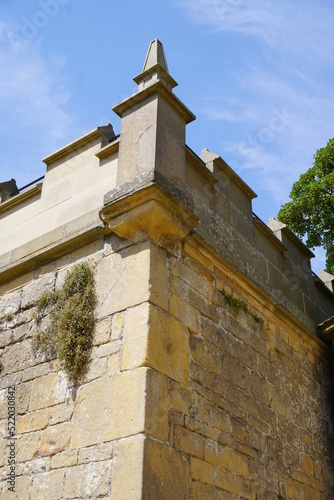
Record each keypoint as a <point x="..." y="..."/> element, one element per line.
<point x="327" y="278"/>
<point x="8" y="189"/>
<point x="155" y="67"/>
<point x="155" y="55"/>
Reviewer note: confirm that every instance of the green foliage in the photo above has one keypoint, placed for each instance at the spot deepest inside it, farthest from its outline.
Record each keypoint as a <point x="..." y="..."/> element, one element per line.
<point x="310" y="211"/>
<point x="9" y="316"/>
<point x="70" y="333"/>
<point x="239" y="305"/>
<point x="257" y="318"/>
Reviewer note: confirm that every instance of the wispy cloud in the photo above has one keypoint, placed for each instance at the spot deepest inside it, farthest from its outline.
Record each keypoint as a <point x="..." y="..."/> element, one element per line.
<point x="33" y="101"/>
<point x="251" y="16"/>
<point x="283" y="100"/>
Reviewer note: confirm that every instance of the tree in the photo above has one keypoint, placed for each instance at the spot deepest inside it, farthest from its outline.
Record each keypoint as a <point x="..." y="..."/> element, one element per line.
<point x="311" y="209"/>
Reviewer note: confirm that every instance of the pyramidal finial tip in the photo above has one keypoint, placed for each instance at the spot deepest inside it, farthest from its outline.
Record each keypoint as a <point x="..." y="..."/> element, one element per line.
<point x="155" y="68"/>
<point x="155" y="55"/>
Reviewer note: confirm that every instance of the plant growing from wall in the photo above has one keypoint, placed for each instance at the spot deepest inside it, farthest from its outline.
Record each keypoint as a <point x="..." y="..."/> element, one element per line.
<point x="239" y="305"/>
<point x="70" y="332"/>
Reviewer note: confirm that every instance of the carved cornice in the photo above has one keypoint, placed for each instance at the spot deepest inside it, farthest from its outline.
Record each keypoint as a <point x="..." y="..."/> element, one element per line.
<point x="149" y="213"/>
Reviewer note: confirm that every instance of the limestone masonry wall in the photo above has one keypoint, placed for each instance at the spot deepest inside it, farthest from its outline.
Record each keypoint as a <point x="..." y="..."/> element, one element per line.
<point x="182" y="390"/>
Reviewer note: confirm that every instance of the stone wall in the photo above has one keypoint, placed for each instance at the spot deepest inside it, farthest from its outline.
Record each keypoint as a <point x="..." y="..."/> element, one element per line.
<point x="256" y="420"/>
<point x="66" y="436"/>
<point x="185" y="397"/>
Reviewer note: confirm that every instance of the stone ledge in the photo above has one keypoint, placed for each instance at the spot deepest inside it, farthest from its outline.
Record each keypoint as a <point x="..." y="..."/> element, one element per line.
<point x="108" y="150"/>
<point x="149" y="213"/>
<point x="58" y="248"/>
<point x="157" y="88"/>
<point x="20" y="198"/>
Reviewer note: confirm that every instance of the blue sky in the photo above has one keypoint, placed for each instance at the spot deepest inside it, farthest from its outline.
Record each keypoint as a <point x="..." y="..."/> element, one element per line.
<point x="258" y="74"/>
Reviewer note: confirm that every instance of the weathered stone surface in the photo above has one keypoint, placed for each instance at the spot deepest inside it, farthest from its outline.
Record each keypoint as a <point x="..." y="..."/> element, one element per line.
<point x="22" y="489"/>
<point x="55" y="439"/>
<point x="101" y="452"/>
<point x="10" y="303"/>
<point x="107" y="401"/>
<point x="128" y="456"/>
<point x="48" y="391"/>
<point x="60" y="413"/>
<point x="27" y="446"/>
<point x="201" y="471"/>
<point x="48" y="486"/>
<point x="153" y="338"/>
<point x="32" y="422"/>
<point x="39" y="420"/>
<point x="17" y="357"/>
<point x="117" y="326"/>
<point x="102" y="332"/>
<point x="200" y="491"/>
<point x="32" y="292"/>
<point x="67" y="458"/>
<point x="96" y="368"/>
<point x="87" y="481"/>
<point x="166" y="472"/>
<point x="35" y="372"/>
<point x="132" y="279"/>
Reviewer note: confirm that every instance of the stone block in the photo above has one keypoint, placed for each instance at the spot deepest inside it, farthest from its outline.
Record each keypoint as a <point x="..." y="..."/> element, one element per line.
<point x="27" y="446"/>
<point x="49" y="390"/>
<point x="189" y="442"/>
<point x="199" y="491"/>
<point x="206" y="354"/>
<point x="123" y="279"/>
<point x="123" y="405"/>
<point x="55" y="439"/>
<point x="153" y="338"/>
<point x="87" y="481"/>
<point x="35" y="372"/>
<point x="107" y="349"/>
<point x="130" y="277"/>
<point x="216" y="455"/>
<point x="17" y="357"/>
<point x="185" y="312"/>
<point x="34" y="290"/>
<point x="166" y="472"/>
<point x="48" y="486"/>
<point x="128" y="456"/>
<point x="102" y="332"/>
<point x="30" y="422"/>
<point x="117" y="327"/>
<point x="67" y="458"/>
<point x="201" y="471"/>
<point x="98" y="453"/>
<point x="61" y="413"/>
<point x="239" y="463"/>
<point x="22" y="397"/>
<point x="114" y="364"/>
<point x="10" y="303"/>
<point x="181" y="398"/>
<point x="236" y="372"/>
<point x="96" y="368"/>
<point x="22" y="489"/>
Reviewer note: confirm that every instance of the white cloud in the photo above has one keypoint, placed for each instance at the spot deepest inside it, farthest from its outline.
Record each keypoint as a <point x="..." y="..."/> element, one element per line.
<point x="33" y="101"/>
<point x="251" y="16"/>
